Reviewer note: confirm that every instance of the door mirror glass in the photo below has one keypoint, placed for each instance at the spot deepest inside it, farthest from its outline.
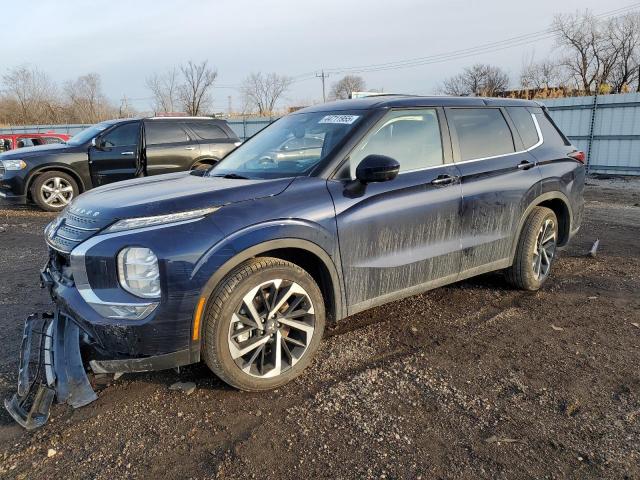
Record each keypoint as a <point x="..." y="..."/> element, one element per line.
<point x="377" y="168"/>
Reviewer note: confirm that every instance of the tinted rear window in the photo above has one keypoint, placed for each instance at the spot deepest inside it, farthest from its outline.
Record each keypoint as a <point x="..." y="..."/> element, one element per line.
<point x="208" y="131"/>
<point x="164" y="132"/>
<point x="482" y="132"/>
<point x="523" y="121"/>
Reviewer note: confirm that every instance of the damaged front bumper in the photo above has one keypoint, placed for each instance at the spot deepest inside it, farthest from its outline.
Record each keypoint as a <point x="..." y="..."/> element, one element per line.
<point x="53" y="369"/>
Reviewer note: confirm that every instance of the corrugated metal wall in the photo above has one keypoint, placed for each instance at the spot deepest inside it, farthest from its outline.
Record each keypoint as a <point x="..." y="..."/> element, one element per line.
<point x="607" y="128"/>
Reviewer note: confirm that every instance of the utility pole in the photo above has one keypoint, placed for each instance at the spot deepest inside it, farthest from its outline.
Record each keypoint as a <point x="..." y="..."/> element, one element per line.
<point x="323" y="76"/>
<point x="124" y="107"/>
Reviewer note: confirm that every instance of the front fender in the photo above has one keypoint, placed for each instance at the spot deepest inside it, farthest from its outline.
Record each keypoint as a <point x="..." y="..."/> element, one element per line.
<point x="260" y="238"/>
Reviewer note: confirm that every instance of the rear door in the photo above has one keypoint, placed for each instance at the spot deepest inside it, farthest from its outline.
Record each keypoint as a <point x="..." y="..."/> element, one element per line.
<point x="169" y="147"/>
<point x="215" y="140"/>
<point x="116" y="154"/>
<point x="499" y="180"/>
<point x="402" y="236"/>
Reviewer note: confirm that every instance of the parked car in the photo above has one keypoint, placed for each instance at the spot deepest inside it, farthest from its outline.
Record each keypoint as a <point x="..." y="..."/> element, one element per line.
<point x="111" y="151"/>
<point x="10" y="141"/>
<point x="241" y="266"/>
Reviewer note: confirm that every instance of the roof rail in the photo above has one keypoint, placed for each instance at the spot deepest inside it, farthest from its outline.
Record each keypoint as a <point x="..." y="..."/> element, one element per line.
<point x="178" y="117"/>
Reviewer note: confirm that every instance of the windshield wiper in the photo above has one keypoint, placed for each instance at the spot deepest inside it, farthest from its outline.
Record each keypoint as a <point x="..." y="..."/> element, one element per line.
<point x="232" y="175"/>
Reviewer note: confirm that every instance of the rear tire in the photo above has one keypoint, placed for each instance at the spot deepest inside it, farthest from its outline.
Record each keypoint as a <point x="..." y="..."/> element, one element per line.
<point x="263" y="324"/>
<point x="536" y="250"/>
<point x="53" y="190"/>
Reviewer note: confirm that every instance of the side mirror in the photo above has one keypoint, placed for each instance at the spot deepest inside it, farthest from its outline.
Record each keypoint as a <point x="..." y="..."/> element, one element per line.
<point x="98" y="143"/>
<point x="377" y="168"/>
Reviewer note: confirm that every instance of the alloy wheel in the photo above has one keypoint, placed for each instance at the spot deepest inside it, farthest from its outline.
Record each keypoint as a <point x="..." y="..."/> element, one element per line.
<point x="272" y="328"/>
<point x="544" y="249"/>
<point x="56" y="192"/>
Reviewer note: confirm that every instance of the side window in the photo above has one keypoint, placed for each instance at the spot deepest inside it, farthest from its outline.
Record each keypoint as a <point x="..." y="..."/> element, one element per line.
<point x="482" y="132"/>
<point x="50" y="140"/>
<point x="123" y="136"/>
<point x="522" y="119"/>
<point x="550" y="132"/>
<point x="158" y="133"/>
<point x="412" y="137"/>
<point x="25" y="142"/>
<point x="207" y="131"/>
<point x="5" y="144"/>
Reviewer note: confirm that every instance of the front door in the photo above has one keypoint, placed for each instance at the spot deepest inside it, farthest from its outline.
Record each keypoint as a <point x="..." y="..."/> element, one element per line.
<point x="499" y="180"/>
<point x="402" y="236"/>
<point x="116" y="154"/>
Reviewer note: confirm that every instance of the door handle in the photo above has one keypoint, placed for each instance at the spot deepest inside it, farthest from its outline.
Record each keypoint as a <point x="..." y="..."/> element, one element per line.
<point x="525" y="165"/>
<point x="442" y="180"/>
<point x="189" y="148"/>
<point x="126" y="153"/>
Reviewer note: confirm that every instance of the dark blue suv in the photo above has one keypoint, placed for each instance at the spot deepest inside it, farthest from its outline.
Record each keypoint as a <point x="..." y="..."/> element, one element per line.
<point x="329" y="211"/>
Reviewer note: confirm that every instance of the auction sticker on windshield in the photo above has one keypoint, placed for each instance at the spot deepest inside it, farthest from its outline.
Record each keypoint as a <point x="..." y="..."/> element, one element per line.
<point x="342" y="119"/>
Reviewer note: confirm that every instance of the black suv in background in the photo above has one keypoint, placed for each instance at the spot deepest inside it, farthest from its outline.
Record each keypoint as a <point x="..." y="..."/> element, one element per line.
<point x="110" y="151"/>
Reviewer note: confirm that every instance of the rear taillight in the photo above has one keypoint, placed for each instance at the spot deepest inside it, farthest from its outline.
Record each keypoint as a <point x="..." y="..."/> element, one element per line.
<point x="578" y="155"/>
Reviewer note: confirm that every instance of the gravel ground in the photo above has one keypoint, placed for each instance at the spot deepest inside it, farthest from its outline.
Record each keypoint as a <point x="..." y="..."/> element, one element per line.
<point x="471" y="380"/>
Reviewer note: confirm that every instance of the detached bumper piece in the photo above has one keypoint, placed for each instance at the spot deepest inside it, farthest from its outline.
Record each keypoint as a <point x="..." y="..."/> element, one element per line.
<point x="58" y="370"/>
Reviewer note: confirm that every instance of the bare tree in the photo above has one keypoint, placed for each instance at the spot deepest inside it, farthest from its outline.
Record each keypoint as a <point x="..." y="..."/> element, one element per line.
<point x="262" y="92"/>
<point x="343" y="88"/>
<point x="30" y="96"/>
<point x="165" y="89"/>
<point x="195" y="91"/>
<point x="624" y="32"/>
<point x="540" y="75"/>
<point x="579" y="35"/>
<point x="480" y="79"/>
<point x="85" y="101"/>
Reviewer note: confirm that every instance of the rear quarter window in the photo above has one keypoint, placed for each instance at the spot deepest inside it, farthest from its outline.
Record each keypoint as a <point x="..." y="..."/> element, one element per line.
<point x="523" y="121"/>
<point x="207" y="131"/>
<point x="550" y="133"/>
<point x="481" y="132"/>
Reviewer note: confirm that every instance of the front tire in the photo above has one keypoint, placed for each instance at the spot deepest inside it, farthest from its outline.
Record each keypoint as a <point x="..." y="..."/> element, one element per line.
<point x="536" y="250"/>
<point x="263" y="325"/>
<point x="52" y="191"/>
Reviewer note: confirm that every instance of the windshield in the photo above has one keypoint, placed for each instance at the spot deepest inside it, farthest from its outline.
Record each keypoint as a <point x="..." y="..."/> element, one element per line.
<point x="87" y="134"/>
<point x="292" y="146"/>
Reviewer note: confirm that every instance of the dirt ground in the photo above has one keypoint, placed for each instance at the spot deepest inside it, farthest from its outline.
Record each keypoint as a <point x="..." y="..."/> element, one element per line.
<point x="474" y="380"/>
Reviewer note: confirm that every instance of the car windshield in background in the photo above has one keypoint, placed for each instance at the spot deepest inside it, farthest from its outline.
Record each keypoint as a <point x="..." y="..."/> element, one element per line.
<point x="87" y="134"/>
<point x="292" y="146"/>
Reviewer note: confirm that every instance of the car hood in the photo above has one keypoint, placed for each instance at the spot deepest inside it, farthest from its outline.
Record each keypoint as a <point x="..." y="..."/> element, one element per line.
<point x="169" y="193"/>
<point x="39" y="150"/>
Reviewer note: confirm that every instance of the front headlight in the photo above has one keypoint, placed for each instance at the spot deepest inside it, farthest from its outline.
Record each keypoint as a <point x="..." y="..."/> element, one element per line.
<point x="138" y="272"/>
<point x="14" y="164"/>
<point x="141" y="222"/>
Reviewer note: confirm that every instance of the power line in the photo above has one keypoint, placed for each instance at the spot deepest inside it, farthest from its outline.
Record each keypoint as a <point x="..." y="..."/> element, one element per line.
<point x="491" y="47"/>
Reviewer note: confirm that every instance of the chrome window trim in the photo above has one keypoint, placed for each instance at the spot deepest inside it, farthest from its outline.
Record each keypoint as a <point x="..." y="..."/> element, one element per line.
<point x="532" y="147"/>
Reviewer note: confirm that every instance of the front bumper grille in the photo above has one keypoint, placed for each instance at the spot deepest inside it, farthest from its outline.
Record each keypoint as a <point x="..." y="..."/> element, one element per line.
<point x="70" y="230"/>
<point x="1" y="170"/>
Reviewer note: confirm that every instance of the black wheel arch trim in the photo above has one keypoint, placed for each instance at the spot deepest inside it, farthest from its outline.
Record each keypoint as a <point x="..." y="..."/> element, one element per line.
<point x="53" y="168"/>
<point x="257" y="250"/>
<point x="555" y="195"/>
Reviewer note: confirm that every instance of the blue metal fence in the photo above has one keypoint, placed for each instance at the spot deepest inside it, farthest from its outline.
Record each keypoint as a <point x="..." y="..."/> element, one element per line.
<point x="244" y="128"/>
<point x="605" y="127"/>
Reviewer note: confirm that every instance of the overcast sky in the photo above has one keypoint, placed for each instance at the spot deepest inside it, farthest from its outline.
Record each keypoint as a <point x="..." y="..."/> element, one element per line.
<point x="125" y="41"/>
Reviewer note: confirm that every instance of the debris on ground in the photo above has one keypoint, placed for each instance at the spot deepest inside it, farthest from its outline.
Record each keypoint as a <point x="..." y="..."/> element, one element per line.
<point x="594" y="248"/>
<point x="557" y="329"/>
<point x="51" y="453"/>
<point x="186" y="387"/>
